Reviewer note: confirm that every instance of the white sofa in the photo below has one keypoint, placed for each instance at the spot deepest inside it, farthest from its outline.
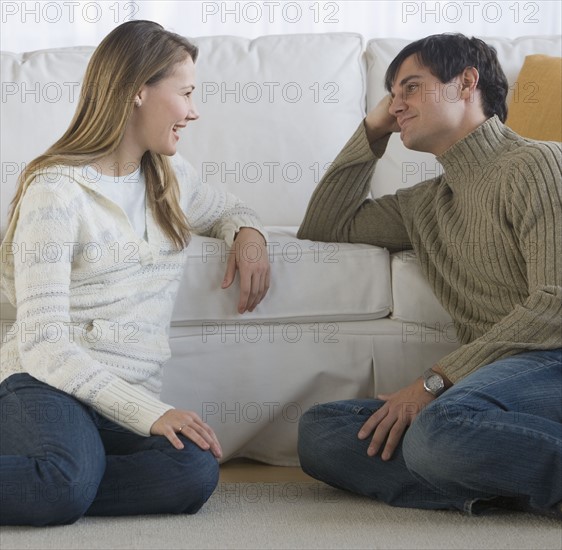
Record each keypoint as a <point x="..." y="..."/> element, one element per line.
<point x="340" y="321"/>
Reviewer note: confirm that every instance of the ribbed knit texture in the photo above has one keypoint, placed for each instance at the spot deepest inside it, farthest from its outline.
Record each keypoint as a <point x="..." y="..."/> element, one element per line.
<point x="94" y="301"/>
<point x="487" y="234"/>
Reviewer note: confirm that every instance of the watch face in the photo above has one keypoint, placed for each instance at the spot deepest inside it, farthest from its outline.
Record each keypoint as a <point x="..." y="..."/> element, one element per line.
<point x="435" y="383"/>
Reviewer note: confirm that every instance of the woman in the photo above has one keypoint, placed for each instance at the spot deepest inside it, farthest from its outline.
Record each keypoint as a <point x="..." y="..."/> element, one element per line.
<point x="83" y="429"/>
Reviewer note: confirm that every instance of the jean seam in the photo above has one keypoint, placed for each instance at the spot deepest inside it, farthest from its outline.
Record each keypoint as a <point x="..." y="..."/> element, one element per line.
<point x="511" y="377"/>
<point x="496" y="426"/>
<point x="355" y="410"/>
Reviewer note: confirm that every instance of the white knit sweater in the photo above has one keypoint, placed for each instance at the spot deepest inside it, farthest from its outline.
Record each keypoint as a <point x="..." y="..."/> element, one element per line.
<point x="94" y="300"/>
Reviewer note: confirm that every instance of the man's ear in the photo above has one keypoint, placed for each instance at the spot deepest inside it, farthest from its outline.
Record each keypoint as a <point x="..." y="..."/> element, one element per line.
<point x="469" y="78"/>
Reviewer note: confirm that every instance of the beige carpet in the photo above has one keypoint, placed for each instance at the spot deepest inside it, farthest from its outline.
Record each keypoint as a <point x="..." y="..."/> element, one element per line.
<point x="257" y="506"/>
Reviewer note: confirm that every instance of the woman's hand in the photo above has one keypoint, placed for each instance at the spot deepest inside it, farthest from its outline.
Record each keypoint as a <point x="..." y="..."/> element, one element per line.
<point x="190" y="425"/>
<point x="249" y="255"/>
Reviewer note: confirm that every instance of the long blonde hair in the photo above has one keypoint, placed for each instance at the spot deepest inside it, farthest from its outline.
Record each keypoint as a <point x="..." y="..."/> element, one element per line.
<point x="132" y="55"/>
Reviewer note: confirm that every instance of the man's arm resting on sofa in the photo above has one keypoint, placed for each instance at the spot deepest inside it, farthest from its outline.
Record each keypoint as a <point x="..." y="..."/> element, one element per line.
<point x="339" y="210"/>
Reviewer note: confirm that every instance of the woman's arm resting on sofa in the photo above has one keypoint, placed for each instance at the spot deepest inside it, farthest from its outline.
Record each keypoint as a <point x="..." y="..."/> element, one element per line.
<point x="249" y="255"/>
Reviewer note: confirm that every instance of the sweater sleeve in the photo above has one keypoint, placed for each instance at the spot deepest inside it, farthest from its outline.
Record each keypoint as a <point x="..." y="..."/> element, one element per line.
<point x="339" y="210"/>
<point x="534" y="206"/>
<point x="44" y="242"/>
<point x="210" y="211"/>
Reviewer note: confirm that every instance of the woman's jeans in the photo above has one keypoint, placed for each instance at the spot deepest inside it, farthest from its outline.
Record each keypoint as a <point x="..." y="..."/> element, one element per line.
<point x="60" y="460"/>
<point x="493" y="440"/>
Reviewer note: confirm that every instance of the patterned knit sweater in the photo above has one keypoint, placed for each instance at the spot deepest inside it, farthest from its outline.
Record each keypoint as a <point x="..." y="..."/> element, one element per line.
<point x="94" y="301"/>
<point x="487" y="234"/>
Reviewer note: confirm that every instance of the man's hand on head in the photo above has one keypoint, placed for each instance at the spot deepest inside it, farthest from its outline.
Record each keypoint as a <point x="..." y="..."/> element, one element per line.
<point x="379" y="122"/>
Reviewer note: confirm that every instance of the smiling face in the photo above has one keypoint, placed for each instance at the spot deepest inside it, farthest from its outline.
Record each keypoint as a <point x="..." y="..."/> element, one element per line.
<point x="432" y="115"/>
<point x="165" y="109"/>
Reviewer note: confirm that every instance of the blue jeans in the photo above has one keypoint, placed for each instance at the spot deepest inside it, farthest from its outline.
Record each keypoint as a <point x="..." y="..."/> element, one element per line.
<point x="493" y="440"/>
<point x="60" y="460"/>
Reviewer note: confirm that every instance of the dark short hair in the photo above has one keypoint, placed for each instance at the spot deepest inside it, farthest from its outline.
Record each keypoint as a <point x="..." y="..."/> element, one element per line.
<point x="447" y="55"/>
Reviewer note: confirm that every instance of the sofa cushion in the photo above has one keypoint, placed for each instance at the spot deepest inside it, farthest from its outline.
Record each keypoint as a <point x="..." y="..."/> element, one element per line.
<point x="413" y="299"/>
<point x="310" y="281"/>
<point x="535" y="109"/>
<point x="400" y="167"/>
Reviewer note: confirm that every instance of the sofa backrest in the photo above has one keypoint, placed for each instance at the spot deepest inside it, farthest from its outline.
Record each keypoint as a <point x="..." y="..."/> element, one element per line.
<point x="274" y="112"/>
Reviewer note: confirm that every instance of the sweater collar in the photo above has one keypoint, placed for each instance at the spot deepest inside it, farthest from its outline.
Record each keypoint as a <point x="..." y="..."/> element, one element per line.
<point x="465" y="160"/>
<point x="149" y="249"/>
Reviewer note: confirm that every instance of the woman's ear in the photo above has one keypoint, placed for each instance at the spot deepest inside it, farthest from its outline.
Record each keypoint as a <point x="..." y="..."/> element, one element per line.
<point x="140" y="96"/>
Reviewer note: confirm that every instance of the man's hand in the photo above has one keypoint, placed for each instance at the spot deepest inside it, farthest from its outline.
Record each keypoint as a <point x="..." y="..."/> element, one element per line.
<point x="392" y="419"/>
<point x="379" y="122"/>
<point x="249" y="256"/>
<point x="190" y="425"/>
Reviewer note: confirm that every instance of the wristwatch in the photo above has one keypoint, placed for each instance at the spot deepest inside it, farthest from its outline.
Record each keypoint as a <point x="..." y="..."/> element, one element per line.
<point x="433" y="383"/>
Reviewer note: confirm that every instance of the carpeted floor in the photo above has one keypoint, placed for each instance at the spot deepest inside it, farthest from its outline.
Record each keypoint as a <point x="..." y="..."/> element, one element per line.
<point x="258" y="506"/>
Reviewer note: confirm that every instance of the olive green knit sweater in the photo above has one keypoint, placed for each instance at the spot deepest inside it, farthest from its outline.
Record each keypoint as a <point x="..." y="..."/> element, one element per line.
<point x="487" y="234"/>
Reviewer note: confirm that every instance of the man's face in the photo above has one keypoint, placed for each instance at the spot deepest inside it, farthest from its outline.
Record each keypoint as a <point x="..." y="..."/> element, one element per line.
<point x="429" y="112"/>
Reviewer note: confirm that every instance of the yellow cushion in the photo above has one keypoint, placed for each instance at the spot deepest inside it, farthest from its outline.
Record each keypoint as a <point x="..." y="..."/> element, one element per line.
<point x="535" y="109"/>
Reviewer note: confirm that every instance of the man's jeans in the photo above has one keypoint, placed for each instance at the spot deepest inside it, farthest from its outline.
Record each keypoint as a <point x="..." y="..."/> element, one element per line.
<point x="493" y="440"/>
<point x="59" y="460"/>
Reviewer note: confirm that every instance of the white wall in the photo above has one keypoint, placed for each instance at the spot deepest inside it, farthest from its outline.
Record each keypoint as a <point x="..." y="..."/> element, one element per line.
<point x="32" y="25"/>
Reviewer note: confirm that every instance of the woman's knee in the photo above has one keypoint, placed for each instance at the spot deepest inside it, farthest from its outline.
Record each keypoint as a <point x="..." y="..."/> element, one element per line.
<point x="193" y="475"/>
<point x="60" y="495"/>
<point x="209" y="478"/>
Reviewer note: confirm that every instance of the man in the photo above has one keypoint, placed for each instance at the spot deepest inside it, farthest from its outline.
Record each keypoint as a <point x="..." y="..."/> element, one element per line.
<point x="483" y="427"/>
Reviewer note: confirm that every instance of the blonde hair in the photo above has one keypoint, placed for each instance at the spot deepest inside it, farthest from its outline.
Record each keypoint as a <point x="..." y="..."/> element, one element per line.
<point x="132" y="55"/>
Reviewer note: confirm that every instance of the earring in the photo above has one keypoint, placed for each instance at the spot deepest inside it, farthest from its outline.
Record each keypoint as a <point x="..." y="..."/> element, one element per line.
<point x="137" y="102"/>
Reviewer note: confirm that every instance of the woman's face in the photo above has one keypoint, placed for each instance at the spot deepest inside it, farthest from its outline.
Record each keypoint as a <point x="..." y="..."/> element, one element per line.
<point x="165" y="109"/>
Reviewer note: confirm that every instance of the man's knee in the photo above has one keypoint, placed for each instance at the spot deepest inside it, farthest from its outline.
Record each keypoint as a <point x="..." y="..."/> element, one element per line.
<point x="309" y="424"/>
<point x="312" y="437"/>
<point x="431" y="442"/>
<point x="328" y="433"/>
